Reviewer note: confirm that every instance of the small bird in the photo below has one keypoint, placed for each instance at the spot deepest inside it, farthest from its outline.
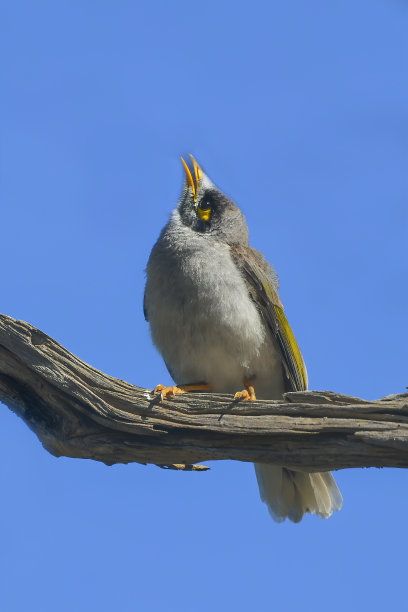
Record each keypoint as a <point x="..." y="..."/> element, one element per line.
<point x="215" y="315"/>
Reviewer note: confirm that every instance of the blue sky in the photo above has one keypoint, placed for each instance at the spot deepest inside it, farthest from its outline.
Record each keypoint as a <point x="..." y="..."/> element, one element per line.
<point x="299" y="112"/>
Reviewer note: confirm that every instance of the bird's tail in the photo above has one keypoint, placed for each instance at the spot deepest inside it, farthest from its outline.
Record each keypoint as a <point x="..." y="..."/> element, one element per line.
<point x="290" y="494"/>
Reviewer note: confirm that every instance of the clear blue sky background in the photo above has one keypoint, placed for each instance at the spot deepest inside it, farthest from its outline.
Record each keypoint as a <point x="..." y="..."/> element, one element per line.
<point x="298" y="110"/>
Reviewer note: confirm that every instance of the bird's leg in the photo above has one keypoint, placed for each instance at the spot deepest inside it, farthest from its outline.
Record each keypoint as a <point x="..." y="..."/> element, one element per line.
<point x="195" y="387"/>
<point x="248" y="393"/>
<point x="165" y="391"/>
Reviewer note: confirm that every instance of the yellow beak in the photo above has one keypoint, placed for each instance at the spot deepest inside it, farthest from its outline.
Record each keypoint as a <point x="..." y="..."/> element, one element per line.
<point x="198" y="173"/>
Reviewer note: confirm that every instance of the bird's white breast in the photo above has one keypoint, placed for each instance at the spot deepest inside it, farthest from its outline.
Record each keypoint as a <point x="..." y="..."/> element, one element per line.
<point x="202" y="319"/>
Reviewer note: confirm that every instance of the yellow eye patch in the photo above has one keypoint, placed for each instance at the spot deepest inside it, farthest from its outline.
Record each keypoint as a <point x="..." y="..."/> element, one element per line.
<point x="204" y="211"/>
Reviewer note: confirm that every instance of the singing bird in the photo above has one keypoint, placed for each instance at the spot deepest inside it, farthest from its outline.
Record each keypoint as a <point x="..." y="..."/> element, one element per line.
<point x="215" y="315"/>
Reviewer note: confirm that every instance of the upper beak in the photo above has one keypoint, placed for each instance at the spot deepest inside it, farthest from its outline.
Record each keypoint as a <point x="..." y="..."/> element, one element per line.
<point x="198" y="173"/>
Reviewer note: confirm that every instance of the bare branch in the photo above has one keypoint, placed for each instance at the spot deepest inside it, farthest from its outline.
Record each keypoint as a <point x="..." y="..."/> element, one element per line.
<point x="78" y="411"/>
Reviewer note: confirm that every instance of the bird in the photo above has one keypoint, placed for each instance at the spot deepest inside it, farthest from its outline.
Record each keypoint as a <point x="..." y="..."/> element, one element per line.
<point x="215" y="315"/>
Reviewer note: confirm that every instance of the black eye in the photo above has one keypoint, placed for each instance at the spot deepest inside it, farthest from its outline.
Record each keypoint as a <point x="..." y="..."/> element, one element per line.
<point x="205" y="205"/>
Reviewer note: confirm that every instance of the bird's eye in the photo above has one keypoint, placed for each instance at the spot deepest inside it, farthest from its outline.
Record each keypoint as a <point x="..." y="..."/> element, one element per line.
<point x="205" y="205"/>
<point x="204" y="210"/>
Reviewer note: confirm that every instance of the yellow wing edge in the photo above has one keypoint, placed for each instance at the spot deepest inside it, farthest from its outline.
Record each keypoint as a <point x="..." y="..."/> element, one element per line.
<point x="294" y="347"/>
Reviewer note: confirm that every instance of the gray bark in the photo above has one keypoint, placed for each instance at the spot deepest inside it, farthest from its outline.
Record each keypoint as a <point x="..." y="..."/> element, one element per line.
<point x="78" y="411"/>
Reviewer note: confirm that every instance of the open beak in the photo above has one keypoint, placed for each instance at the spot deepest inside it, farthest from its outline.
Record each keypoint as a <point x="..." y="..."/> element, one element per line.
<point x="198" y="173"/>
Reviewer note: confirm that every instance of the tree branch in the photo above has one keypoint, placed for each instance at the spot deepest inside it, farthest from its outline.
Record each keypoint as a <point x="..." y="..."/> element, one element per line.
<point x="78" y="411"/>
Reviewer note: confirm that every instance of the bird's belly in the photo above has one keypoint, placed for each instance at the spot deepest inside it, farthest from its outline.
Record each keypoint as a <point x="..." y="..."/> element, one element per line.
<point x="215" y="336"/>
<point x="220" y="363"/>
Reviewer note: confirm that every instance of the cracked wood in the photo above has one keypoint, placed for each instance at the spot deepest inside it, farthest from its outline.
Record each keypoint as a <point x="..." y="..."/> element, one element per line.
<point x="78" y="411"/>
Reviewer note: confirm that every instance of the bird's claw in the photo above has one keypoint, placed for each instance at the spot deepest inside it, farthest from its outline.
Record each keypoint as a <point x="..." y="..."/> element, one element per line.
<point x="165" y="391"/>
<point x="247" y="394"/>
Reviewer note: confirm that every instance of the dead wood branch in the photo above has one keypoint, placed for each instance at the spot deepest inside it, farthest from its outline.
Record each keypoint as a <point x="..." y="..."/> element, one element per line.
<point x="78" y="411"/>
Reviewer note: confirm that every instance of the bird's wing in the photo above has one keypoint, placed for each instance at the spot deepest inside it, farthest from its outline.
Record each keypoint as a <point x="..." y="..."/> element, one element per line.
<point x="262" y="286"/>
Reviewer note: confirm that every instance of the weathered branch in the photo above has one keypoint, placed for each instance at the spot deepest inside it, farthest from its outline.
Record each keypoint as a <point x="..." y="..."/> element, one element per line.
<point x="78" y="411"/>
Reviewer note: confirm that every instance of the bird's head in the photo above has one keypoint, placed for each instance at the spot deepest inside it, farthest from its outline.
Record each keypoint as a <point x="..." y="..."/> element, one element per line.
<point x="207" y="210"/>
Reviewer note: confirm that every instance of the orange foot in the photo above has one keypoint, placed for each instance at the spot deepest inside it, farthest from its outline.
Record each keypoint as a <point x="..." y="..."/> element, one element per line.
<point x="248" y="393"/>
<point x="165" y="391"/>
